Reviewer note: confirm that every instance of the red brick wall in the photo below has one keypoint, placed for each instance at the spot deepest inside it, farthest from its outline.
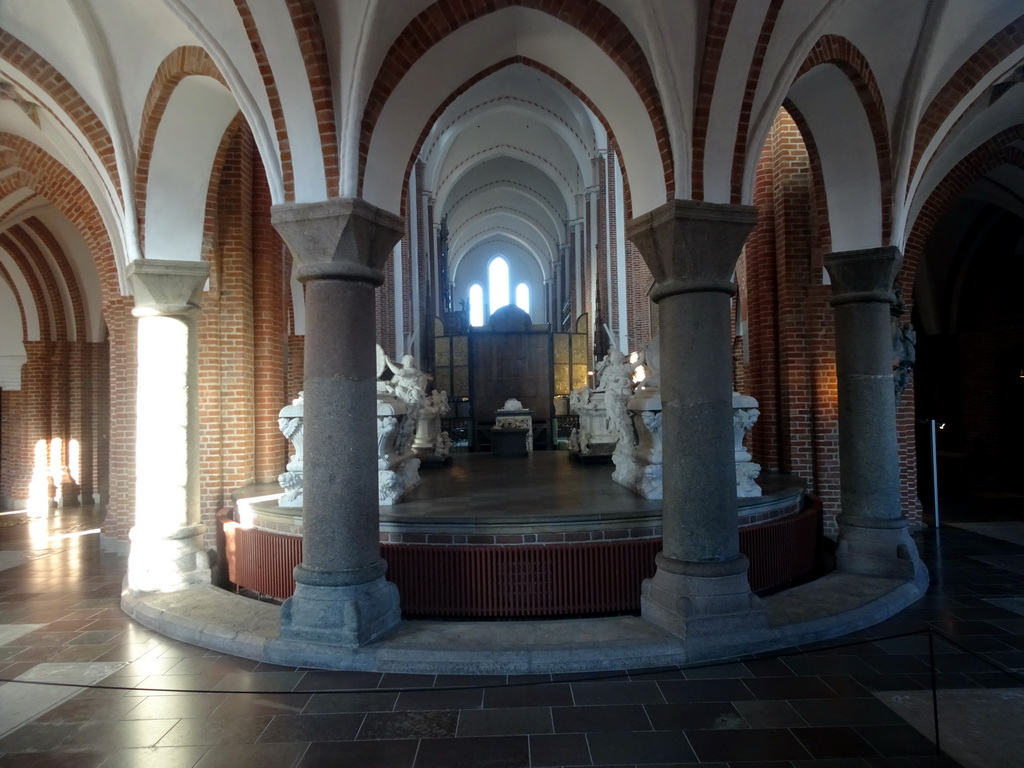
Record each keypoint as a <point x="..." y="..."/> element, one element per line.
<point x="791" y="368"/>
<point x="271" y="297"/>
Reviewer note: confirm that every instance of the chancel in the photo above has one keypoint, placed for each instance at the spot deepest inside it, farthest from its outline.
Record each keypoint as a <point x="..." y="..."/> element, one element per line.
<point x="407" y="316"/>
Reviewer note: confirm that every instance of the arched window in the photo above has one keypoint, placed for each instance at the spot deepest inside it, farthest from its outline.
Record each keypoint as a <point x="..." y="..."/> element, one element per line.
<point x="523" y="297"/>
<point x="476" y="305"/>
<point x="498" y="287"/>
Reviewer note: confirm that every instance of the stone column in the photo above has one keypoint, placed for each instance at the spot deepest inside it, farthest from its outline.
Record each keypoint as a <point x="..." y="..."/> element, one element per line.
<point x="873" y="536"/>
<point x="341" y="596"/>
<point x="700" y="587"/>
<point x="167" y="552"/>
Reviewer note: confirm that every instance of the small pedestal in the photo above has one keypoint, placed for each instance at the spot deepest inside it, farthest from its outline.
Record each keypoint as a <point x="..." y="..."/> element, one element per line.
<point x="513" y="416"/>
<point x="509" y="443"/>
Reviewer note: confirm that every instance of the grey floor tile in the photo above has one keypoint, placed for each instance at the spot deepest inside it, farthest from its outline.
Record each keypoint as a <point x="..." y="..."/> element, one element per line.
<point x="214" y="730"/>
<point x="295" y="728"/>
<point x="701" y="715"/>
<point x="365" y="754"/>
<point x="505" y="722"/>
<point x="740" y="745"/>
<point x="834" y="742"/>
<point x="640" y="747"/>
<point x="253" y="755"/>
<point x="475" y="752"/>
<point x="616" y="692"/>
<point x="156" y="757"/>
<point x="408" y="725"/>
<point x="630" y="717"/>
<point x="559" y="749"/>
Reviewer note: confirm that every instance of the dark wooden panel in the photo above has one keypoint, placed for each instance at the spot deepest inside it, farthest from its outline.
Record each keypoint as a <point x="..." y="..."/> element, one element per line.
<point x="511" y="365"/>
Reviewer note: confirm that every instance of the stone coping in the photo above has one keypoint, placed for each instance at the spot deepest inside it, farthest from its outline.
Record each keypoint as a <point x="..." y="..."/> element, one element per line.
<point x="782" y="497"/>
<point x="830" y="607"/>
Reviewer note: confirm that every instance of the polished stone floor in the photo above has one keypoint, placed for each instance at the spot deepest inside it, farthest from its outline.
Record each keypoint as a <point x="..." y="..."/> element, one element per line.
<point x="145" y="700"/>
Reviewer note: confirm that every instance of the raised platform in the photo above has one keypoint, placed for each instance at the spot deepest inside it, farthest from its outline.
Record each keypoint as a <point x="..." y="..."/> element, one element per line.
<point x="537" y="536"/>
<point x="214" y="618"/>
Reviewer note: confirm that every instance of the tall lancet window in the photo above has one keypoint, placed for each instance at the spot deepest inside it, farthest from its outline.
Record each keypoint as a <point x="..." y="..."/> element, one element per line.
<point x="497" y="284"/>
<point x="476" y="305"/>
<point x="523" y="297"/>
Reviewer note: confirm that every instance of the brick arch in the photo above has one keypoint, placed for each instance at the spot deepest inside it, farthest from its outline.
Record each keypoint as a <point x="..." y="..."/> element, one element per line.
<point x="38" y="290"/>
<point x="841" y="53"/>
<point x="718" y="19"/>
<point x="65" y="192"/>
<point x="968" y="75"/>
<point x="60" y="257"/>
<point x="823" y="237"/>
<point x="596" y="21"/>
<point x="6" y="277"/>
<point x="49" y="280"/>
<point x="1001" y="148"/>
<point x="184" y="61"/>
<point x="743" y="126"/>
<point x="487" y="72"/>
<point x="273" y="97"/>
<point x="43" y="74"/>
<point x="310" y="37"/>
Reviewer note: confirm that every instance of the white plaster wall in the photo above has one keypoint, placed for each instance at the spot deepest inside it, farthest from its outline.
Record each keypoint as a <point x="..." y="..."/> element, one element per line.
<point x="273" y="20"/>
<point x="849" y="163"/>
<point x="966" y="26"/>
<point x="141" y="33"/>
<point x="496" y="37"/>
<point x="23" y="291"/>
<point x="179" y="176"/>
<point x="1004" y="113"/>
<point x="507" y="172"/>
<point x="83" y="267"/>
<point x="730" y="90"/>
<point x="217" y="25"/>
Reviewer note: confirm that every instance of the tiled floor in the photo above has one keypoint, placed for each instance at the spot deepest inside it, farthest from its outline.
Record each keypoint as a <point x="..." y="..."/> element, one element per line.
<point x="171" y="705"/>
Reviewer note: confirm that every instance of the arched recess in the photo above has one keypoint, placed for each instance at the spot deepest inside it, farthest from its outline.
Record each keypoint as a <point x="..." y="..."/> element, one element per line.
<point x="834" y="115"/>
<point x="485" y="46"/>
<point x="438" y="151"/>
<point x="182" y="161"/>
<point x="838" y="52"/>
<point x="1007" y="146"/>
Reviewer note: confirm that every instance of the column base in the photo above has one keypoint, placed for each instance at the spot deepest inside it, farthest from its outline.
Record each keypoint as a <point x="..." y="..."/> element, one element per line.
<point x="884" y="549"/>
<point x="698" y="600"/>
<point x="347" y="616"/>
<point x="161" y="561"/>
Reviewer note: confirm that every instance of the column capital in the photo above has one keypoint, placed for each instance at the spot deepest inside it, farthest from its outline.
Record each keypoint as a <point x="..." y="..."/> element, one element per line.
<point x="692" y="246"/>
<point x="863" y="276"/>
<point x="343" y="238"/>
<point x="167" y="287"/>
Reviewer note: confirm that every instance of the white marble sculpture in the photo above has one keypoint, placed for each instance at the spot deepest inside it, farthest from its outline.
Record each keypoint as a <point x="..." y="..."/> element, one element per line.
<point x="637" y="414"/>
<point x="744" y="416"/>
<point x="430" y="443"/>
<point x="644" y="408"/>
<point x="596" y="435"/>
<point x="289" y="420"/>
<point x="399" y="403"/>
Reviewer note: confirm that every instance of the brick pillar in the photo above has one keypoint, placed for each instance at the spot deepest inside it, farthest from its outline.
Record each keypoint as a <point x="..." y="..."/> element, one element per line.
<point x="167" y="552"/>
<point x="700" y="588"/>
<point x="36" y="384"/>
<point x="873" y="535"/>
<point x="341" y="596"/>
<point x="271" y="286"/>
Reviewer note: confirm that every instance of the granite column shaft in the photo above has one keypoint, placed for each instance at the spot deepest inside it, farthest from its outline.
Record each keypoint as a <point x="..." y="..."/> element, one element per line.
<point x="700" y="587"/>
<point x="873" y="535"/>
<point x="341" y="596"/>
